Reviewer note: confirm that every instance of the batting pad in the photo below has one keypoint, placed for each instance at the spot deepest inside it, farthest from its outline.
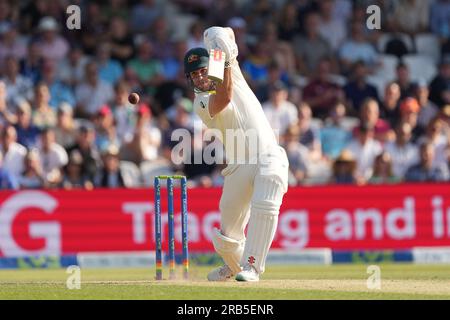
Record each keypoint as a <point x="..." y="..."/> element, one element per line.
<point x="229" y="249"/>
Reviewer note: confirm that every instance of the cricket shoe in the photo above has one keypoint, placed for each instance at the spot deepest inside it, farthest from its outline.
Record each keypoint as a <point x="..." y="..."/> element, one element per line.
<point x="248" y="273"/>
<point x="222" y="273"/>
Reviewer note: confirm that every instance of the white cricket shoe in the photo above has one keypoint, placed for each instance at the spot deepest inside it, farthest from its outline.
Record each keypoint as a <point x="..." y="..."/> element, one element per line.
<point x="222" y="273"/>
<point x="248" y="273"/>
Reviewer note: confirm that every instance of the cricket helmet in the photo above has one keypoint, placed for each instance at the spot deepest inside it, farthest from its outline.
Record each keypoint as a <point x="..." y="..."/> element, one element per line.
<point x="194" y="59"/>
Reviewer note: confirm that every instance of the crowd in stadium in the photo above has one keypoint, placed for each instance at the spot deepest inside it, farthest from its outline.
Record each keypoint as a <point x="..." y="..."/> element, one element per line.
<point x="352" y="105"/>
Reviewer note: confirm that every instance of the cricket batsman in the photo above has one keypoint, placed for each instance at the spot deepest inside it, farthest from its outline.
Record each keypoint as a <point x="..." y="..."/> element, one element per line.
<point x="255" y="178"/>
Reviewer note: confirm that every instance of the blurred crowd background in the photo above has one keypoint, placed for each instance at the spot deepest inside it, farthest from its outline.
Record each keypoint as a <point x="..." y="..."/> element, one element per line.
<point x="352" y="105"/>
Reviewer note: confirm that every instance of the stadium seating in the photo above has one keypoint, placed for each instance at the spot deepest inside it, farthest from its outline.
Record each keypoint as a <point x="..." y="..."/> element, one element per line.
<point x="427" y="44"/>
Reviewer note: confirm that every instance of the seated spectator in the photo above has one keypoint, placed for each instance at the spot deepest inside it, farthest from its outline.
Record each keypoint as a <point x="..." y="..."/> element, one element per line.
<point x="344" y="169"/>
<point x="181" y="113"/>
<point x="382" y="170"/>
<point x="310" y="48"/>
<point x="85" y="145"/>
<point x="298" y="154"/>
<point x="320" y="93"/>
<point x="31" y="64"/>
<point x="59" y="92"/>
<point x="53" y="158"/>
<point x="143" y="14"/>
<point x="274" y="74"/>
<point x="331" y="28"/>
<point x="145" y="68"/>
<point x="279" y="111"/>
<point x="409" y="110"/>
<point x="160" y="33"/>
<point x="109" y="69"/>
<point x="43" y="115"/>
<point x="390" y="105"/>
<point x="13" y="152"/>
<point x="146" y="139"/>
<point x="440" y="86"/>
<point x="32" y="176"/>
<point x="256" y="67"/>
<point x="106" y="133"/>
<point x="17" y="86"/>
<point x="334" y="136"/>
<point x="93" y="93"/>
<point x="357" y="48"/>
<point x="358" y="90"/>
<point x="6" y="114"/>
<point x="73" y="177"/>
<point x="439" y="16"/>
<point x="288" y="22"/>
<point x="428" y="110"/>
<point x="365" y="149"/>
<point x="27" y="132"/>
<point x="370" y="116"/>
<point x="195" y="37"/>
<point x="425" y="171"/>
<point x="52" y="45"/>
<point x="124" y="112"/>
<point x="437" y="135"/>
<point x="71" y="68"/>
<point x="403" y="153"/>
<point x="172" y="66"/>
<point x="10" y="43"/>
<point x="404" y="80"/>
<point x="7" y="180"/>
<point x="411" y="16"/>
<point x="121" y="40"/>
<point x="309" y="134"/>
<point x="66" y="129"/>
<point x="111" y="175"/>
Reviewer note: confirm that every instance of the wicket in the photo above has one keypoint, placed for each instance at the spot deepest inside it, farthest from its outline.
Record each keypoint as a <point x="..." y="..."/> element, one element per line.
<point x="170" y="212"/>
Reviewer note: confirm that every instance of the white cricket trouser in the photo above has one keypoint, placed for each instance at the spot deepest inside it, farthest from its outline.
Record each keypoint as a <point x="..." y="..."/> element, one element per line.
<point x="252" y="194"/>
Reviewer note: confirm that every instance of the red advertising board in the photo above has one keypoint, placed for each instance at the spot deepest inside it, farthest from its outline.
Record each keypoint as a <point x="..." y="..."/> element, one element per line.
<point x="337" y="217"/>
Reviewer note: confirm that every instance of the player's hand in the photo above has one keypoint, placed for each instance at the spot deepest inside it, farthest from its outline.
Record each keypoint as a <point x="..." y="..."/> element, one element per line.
<point x="223" y="39"/>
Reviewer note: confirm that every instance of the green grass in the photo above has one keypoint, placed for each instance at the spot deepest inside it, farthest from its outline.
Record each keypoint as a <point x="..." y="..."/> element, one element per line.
<point x="399" y="281"/>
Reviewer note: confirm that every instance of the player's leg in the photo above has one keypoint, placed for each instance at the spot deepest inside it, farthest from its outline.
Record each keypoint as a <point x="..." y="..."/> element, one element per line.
<point x="229" y="241"/>
<point x="270" y="185"/>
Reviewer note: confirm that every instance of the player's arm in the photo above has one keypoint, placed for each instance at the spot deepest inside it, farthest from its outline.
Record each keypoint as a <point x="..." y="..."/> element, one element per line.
<point x="224" y="92"/>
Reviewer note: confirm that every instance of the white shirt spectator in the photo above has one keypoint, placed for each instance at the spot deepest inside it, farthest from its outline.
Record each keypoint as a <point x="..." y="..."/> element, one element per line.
<point x="54" y="50"/>
<point x="13" y="160"/>
<point x="92" y="98"/>
<point x="333" y="31"/>
<point x="54" y="159"/>
<point x="365" y="155"/>
<point x="22" y="88"/>
<point x="403" y="157"/>
<point x="69" y="73"/>
<point x="281" y="117"/>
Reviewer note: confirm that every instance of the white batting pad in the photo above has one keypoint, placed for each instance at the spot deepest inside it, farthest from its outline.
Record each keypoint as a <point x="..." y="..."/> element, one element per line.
<point x="229" y="249"/>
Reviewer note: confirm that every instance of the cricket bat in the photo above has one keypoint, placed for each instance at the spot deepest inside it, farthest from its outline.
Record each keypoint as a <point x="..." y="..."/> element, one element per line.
<point x="216" y="65"/>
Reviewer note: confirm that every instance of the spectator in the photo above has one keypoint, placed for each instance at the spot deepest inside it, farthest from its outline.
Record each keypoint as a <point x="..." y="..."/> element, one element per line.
<point x="7" y="180"/>
<point x="30" y="65"/>
<point x="106" y="133"/>
<point x="274" y="74"/>
<point x="143" y="14"/>
<point x="52" y="45"/>
<point x="27" y="132"/>
<point x="411" y="16"/>
<point x="85" y="145"/>
<point x="146" y="139"/>
<point x="195" y="38"/>
<point x="17" y="86"/>
<point x="109" y="69"/>
<point x="365" y="149"/>
<point x="279" y="111"/>
<point x="93" y="93"/>
<point x="357" y="48"/>
<point x="242" y="37"/>
<point x="6" y="116"/>
<point x="439" y="18"/>
<point x="111" y="175"/>
<point x="181" y="113"/>
<point x="390" y="106"/>
<point x="43" y="115"/>
<point x="310" y="48"/>
<point x="403" y="153"/>
<point x="424" y="171"/>
<point x="10" y="44"/>
<point x="382" y="170"/>
<point x="344" y="169"/>
<point x="255" y="68"/>
<point x="13" y="152"/>
<point x="72" y="68"/>
<point x="172" y="66"/>
<point x="437" y="135"/>
<point x="66" y="129"/>
<point x="73" y="176"/>
<point x="409" y="110"/>
<point x="32" y="176"/>
<point x="331" y="28"/>
<point x="428" y="110"/>
<point x="121" y="40"/>
<point x="440" y="86"/>
<point x="320" y="93"/>
<point x="404" y="80"/>
<point x="288" y="22"/>
<point x="370" y="116"/>
<point x="309" y="134"/>
<point x="59" y="92"/>
<point x="358" y="90"/>
<point x="298" y="154"/>
<point x="124" y="112"/>
<point x="53" y="158"/>
<point x="160" y="39"/>
<point x="334" y="136"/>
